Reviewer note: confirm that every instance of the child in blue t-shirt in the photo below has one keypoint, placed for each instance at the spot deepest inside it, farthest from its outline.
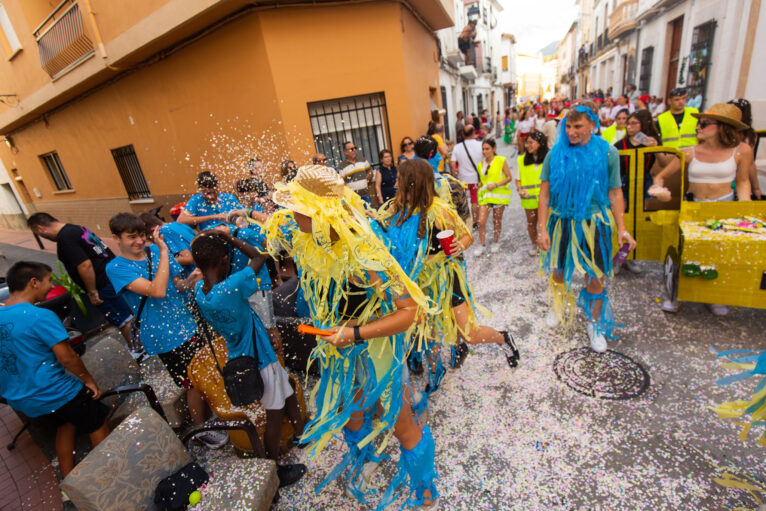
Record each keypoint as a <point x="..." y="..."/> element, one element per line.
<point x="177" y="236"/>
<point x="222" y="298"/>
<point x="166" y="327"/>
<point x="209" y="207"/>
<point x="34" y="358"/>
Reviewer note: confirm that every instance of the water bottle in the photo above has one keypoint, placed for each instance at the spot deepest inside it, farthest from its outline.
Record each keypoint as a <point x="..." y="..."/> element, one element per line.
<point x="622" y="255"/>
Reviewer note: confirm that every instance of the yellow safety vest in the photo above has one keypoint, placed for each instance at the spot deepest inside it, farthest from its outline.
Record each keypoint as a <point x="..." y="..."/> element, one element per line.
<point x="500" y="195"/>
<point x="529" y="176"/>
<point x="610" y="133"/>
<point x="671" y="135"/>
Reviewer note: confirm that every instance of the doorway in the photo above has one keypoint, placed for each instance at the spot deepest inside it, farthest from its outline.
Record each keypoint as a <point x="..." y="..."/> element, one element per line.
<point x="675" y="28"/>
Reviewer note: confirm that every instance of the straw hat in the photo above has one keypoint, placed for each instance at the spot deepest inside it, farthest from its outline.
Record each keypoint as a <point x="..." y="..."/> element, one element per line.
<point x="321" y="181"/>
<point x="725" y="113"/>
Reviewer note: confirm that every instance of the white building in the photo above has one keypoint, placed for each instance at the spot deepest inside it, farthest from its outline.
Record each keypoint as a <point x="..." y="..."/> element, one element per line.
<point x="488" y="81"/>
<point x="566" y="55"/>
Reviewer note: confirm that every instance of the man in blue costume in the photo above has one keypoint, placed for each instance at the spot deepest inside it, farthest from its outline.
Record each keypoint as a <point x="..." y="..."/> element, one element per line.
<point x="581" y="190"/>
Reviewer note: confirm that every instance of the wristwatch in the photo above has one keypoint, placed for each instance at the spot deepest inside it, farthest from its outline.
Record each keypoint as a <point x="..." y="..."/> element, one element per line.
<point x="357" y="335"/>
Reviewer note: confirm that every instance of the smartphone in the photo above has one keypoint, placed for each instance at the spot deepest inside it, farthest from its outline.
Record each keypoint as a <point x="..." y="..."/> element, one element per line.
<point x="641" y="138"/>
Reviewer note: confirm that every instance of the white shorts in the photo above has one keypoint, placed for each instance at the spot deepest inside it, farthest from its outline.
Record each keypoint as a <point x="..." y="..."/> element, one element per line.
<point x="262" y="302"/>
<point x="276" y="386"/>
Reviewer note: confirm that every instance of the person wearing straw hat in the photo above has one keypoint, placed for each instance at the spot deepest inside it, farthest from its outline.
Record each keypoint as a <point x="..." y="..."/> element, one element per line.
<point x="717" y="161"/>
<point x="360" y="295"/>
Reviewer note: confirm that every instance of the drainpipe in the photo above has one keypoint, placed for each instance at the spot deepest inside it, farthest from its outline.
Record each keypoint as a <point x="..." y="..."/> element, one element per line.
<point x="97" y="34"/>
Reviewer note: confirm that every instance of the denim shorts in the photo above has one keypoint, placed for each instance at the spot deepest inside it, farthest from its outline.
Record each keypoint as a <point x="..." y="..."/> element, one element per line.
<point x="114" y="307"/>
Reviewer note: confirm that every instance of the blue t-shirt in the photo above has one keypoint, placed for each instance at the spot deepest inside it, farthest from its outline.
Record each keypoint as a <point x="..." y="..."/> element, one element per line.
<point x="178" y="238"/>
<point x="614" y="173"/>
<point x="198" y="206"/>
<point x="166" y="323"/>
<point x="31" y="378"/>
<point x="255" y="236"/>
<point x="227" y="310"/>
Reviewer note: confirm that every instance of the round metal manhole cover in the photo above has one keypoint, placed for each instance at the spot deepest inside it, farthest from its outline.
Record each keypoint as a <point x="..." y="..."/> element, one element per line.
<point x="608" y="375"/>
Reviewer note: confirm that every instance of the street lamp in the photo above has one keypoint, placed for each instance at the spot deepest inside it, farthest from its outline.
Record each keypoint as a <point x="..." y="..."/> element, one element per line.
<point x="473" y="13"/>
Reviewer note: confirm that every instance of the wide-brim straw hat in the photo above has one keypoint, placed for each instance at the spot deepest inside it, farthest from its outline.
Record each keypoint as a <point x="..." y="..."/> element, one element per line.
<point x="725" y="113"/>
<point x="321" y="181"/>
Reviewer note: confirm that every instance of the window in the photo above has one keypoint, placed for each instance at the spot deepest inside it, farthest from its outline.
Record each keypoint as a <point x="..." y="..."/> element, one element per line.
<point x="56" y="170"/>
<point x="130" y="171"/>
<point x="505" y="62"/>
<point x="8" y="39"/>
<point x="699" y="63"/>
<point x="645" y="74"/>
<point x="362" y="120"/>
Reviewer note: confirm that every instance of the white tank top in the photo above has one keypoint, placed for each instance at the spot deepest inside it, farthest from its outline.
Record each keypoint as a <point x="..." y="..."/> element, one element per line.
<point x="722" y="172"/>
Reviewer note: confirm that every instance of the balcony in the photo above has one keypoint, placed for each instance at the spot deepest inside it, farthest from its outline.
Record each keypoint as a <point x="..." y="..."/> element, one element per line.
<point x="455" y="57"/>
<point x="61" y="39"/>
<point x="468" y="72"/>
<point x="623" y="18"/>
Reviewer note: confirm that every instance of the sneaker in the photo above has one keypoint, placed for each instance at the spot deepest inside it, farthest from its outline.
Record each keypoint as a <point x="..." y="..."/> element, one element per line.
<point x="597" y="340"/>
<point x="717" y="310"/>
<point x="212" y="439"/>
<point x="589" y="329"/>
<point x="633" y="267"/>
<point x="510" y="350"/>
<point x="669" y="305"/>
<point x="290" y="473"/>
<point x="459" y="354"/>
<point x="495" y="248"/>
<point x="64" y="497"/>
<point x="435" y="378"/>
<point x="551" y="319"/>
<point x="532" y="252"/>
<point x="479" y="250"/>
<point x="616" y="269"/>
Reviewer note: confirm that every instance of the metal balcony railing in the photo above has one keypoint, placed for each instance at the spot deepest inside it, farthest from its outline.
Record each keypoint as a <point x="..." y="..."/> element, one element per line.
<point x="623" y="18"/>
<point x="61" y="39"/>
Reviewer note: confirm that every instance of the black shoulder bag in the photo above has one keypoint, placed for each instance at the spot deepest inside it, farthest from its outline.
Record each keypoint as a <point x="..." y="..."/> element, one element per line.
<point x="135" y="326"/>
<point x="241" y="377"/>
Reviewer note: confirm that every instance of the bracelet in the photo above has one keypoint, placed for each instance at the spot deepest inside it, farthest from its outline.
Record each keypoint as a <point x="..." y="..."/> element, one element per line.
<point x="93" y="293"/>
<point x="357" y="335"/>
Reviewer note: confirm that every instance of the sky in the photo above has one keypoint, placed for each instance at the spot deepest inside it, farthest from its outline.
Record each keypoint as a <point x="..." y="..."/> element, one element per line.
<point x="536" y="23"/>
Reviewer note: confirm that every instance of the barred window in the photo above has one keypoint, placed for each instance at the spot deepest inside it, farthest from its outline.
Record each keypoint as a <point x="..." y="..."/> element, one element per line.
<point x="56" y="170"/>
<point x="130" y="171"/>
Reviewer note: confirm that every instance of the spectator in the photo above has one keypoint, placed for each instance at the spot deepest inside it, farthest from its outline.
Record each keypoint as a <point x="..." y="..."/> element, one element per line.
<point x="525" y="127"/>
<point x="436" y="131"/>
<point x="509" y="124"/>
<point x="539" y="117"/>
<point x="529" y="166"/>
<point x="208" y="207"/>
<point x="255" y="167"/>
<point x="459" y="125"/>
<point x="355" y="172"/>
<point x="465" y="158"/>
<point x="319" y="159"/>
<point x="678" y="127"/>
<point x="621" y="104"/>
<point x="85" y="257"/>
<point x="288" y="169"/>
<point x="632" y="94"/>
<point x="658" y="106"/>
<point x="749" y="138"/>
<point x="385" y="178"/>
<point x="643" y="102"/>
<point x="616" y="131"/>
<point x="465" y="41"/>
<point x="150" y="282"/>
<point x="408" y="150"/>
<point x="605" y="112"/>
<point x="36" y="356"/>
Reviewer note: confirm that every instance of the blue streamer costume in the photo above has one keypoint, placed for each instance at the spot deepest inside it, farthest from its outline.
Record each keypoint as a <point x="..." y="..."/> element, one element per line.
<point x="581" y="235"/>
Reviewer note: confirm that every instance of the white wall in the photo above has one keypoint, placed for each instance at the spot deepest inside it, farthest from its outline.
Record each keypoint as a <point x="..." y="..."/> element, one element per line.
<point x="757" y="78"/>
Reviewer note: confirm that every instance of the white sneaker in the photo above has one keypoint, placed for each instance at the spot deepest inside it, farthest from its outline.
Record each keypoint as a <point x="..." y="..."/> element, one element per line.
<point x="717" y="310"/>
<point x="532" y="252"/>
<point x="669" y="305"/>
<point x="633" y="267"/>
<point x="212" y="439"/>
<point x="589" y="329"/>
<point x="597" y="340"/>
<point x="551" y="319"/>
<point x="494" y="248"/>
<point x="479" y="250"/>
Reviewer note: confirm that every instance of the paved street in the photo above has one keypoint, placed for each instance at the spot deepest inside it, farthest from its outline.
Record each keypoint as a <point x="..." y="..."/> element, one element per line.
<point x="524" y="440"/>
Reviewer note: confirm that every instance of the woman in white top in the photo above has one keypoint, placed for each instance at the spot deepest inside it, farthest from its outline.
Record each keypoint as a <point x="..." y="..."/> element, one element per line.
<point x="717" y="161"/>
<point x="525" y="126"/>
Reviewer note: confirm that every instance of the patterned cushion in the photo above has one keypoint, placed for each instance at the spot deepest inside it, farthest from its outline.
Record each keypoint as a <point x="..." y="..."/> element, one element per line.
<point x="122" y="472"/>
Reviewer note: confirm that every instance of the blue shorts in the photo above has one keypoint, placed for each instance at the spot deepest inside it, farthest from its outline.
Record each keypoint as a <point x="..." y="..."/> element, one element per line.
<point x="114" y="307"/>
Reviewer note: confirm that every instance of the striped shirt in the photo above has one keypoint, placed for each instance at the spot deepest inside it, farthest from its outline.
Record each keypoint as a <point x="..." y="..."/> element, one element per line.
<point x="355" y="175"/>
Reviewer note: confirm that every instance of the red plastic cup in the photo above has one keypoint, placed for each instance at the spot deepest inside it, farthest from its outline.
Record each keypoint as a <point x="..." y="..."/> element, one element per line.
<point x="445" y="240"/>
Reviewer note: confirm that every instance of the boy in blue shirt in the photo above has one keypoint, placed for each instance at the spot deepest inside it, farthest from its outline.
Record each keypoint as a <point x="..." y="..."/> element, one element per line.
<point x="166" y="327"/>
<point x="223" y="301"/>
<point x="34" y="357"/>
<point x="208" y="208"/>
<point x="254" y="193"/>
<point x="178" y="238"/>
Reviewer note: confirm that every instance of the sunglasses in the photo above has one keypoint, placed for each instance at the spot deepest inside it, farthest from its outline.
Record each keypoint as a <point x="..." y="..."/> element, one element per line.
<point x="408" y="144"/>
<point x="704" y="123"/>
<point x="350" y="149"/>
<point x="323" y="160"/>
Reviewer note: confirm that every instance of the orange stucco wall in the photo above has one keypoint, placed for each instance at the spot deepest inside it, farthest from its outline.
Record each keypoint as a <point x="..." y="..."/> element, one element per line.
<point x="245" y="85"/>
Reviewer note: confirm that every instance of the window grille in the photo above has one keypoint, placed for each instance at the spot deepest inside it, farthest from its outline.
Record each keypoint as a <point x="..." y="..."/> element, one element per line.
<point x="699" y="63"/>
<point x="130" y="171"/>
<point x="645" y="74"/>
<point x="56" y="170"/>
<point x="362" y="120"/>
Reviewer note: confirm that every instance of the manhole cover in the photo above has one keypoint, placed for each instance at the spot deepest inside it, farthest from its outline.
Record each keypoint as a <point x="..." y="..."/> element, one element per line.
<point x="608" y="375"/>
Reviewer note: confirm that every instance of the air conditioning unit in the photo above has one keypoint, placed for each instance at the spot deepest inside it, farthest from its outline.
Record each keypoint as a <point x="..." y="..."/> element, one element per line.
<point x="468" y="72"/>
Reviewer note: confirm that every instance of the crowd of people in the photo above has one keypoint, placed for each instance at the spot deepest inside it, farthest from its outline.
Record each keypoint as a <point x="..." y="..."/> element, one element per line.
<point x="375" y="258"/>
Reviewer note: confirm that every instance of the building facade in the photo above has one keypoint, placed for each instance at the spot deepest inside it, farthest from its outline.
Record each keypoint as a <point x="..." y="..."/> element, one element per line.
<point x="566" y="56"/>
<point x="484" y="79"/>
<point x="109" y="109"/>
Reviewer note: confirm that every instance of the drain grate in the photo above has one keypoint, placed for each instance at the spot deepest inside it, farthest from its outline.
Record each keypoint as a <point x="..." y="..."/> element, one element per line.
<point x="608" y="375"/>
